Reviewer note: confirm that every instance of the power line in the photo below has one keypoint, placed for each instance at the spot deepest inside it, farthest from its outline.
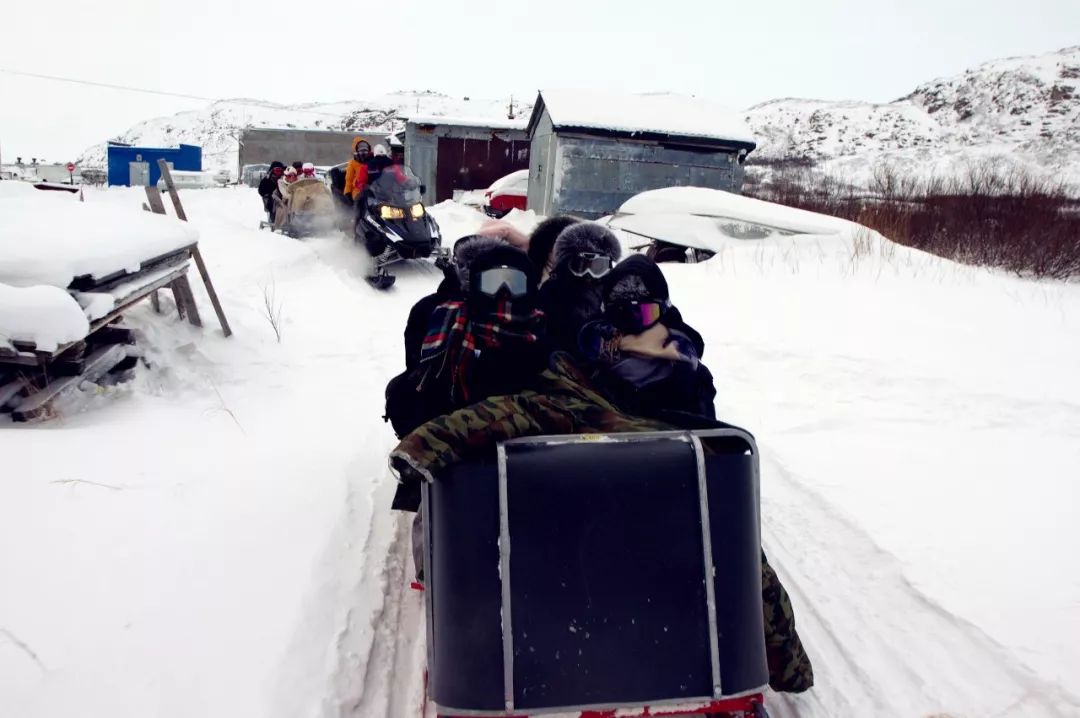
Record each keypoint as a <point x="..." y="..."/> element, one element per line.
<point x="92" y="83"/>
<point x="163" y="93"/>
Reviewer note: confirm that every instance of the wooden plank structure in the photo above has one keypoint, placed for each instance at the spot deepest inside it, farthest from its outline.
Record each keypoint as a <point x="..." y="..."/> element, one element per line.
<point x="166" y="175"/>
<point x="31" y="380"/>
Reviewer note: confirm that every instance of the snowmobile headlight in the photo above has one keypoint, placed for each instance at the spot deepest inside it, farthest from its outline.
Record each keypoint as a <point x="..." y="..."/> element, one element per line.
<point x="417" y="211"/>
<point x="391" y="212"/>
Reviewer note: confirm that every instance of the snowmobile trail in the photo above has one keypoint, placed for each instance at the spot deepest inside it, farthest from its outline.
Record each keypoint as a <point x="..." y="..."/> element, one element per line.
<point x="392" y="679"/>
<point x="879" y="647"/>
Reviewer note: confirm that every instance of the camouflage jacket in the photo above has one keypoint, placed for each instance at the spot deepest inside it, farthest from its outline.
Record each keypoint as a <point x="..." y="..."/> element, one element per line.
<point x="562" y="402"/>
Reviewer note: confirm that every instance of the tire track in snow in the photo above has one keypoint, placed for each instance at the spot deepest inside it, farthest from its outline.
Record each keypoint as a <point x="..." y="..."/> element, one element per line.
<point x="379" y="648"/>
<point x="392" y="677"/>
<point x="878" y="645"/>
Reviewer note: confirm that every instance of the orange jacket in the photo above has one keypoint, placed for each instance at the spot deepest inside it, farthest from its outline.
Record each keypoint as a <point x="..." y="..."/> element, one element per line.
<point x="356" y="177"/>
<point x="356" y="174"/>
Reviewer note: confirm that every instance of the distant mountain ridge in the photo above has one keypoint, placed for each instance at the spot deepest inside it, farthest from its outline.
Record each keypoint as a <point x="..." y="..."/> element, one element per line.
<point x="1024" y="108"/>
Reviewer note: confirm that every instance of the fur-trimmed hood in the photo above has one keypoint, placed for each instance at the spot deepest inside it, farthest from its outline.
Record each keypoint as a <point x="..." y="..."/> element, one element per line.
<point x="586" y="237"/>
<point x="478" y="252"/>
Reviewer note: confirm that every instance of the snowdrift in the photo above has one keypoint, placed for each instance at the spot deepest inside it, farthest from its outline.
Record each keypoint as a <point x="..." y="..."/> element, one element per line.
<point x="51" y="238"/>
<point x="917" y="421"/>
<point x="44" y="316"/>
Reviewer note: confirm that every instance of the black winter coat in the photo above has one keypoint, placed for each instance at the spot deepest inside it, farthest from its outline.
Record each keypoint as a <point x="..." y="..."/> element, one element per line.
<point x="568" y="303"/>
<point x="688" y="390"/>
<point x="417" y="324"/>
<point x="495" y="372"/>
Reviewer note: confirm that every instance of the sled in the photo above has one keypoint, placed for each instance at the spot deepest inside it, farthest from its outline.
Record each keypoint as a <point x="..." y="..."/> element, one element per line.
<point x="595" y="574"/>
<point x="309" y="211"/>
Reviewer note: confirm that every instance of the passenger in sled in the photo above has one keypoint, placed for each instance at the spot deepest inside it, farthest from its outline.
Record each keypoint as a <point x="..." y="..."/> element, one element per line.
<point x="308" y="206"/>
<point x="479" y="335"/>
<point x="641" y="353"/>
<point x="268" y="189"/>
<point x="553" y="397"/>
<point x="583" y="254"/>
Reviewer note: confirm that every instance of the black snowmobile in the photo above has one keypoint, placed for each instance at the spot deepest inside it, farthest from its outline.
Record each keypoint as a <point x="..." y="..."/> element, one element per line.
<point x="394" y="226"/>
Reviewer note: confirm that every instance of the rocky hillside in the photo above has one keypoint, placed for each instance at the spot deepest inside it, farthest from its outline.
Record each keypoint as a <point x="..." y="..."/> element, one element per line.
<point x="217" y="127"/>
<point x="1025" y="108"/>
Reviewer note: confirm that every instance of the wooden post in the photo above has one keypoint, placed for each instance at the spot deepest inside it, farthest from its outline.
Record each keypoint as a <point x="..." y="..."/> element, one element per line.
<point x="186" y="299"/>
<point x="170" y="186"/>
<point x="153" y="196"/>
<point x="154" y="204"/>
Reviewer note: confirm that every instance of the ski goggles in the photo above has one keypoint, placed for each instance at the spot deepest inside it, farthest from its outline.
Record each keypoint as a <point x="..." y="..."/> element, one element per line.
<point x="635" y="317"/>
<point x="491" y="282"/>
<point x="589" y="263"/>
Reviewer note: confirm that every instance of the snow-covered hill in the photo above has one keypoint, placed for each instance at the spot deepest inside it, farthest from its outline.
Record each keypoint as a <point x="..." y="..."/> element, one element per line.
<point x="1027" y="108"/>
<point x="216" y="128"/>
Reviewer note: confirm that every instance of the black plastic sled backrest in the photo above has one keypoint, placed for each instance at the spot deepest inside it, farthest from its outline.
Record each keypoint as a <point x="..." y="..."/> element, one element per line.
<point x="573" y="574"/>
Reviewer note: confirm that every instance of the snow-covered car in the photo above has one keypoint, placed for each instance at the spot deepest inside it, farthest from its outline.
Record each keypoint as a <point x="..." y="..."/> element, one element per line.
<point x="507" y="193"/>
<point x="691" y="224"/>
<point x="251" y="175"/>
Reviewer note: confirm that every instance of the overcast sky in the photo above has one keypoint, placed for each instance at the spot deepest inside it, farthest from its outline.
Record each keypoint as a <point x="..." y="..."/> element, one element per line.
<point x="739" y="53"/>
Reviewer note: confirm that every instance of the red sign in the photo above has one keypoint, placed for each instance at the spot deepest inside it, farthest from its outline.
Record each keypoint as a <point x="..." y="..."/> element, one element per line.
<point x="70" y="166"/>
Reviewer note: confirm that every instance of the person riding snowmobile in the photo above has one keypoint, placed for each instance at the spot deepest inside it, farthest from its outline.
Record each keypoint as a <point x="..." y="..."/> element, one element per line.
<point x="542" y="243"/>
<point x="481" y="338"/>
<point x="584" y="254"/>
<point x="643" y="355"/>
<point x="379" y="161"/>
<point x="356" y="174"/>
<point x="268" y="185"/>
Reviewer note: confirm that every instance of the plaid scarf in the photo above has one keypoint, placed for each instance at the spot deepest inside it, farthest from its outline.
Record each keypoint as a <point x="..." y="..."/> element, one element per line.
<point x="454" y="341"/>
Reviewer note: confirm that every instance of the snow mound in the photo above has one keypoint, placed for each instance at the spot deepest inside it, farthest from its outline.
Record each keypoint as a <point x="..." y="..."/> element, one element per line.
<point x="51" y="239"/>
<point x="44" y="316"/>
<point x="457" y="220"/>
<point x="668" y="113"/>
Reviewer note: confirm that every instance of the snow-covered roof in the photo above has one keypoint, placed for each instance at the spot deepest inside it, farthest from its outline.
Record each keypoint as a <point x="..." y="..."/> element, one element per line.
<point x="668" y="114"/>
<point x="492" y="122"/>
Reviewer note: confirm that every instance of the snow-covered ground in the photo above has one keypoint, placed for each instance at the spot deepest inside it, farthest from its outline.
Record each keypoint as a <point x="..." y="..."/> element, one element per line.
<point x="214" y="538"/>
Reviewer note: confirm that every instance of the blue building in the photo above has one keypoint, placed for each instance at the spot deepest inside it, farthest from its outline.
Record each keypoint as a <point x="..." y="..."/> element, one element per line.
<point x="137" y="166"/>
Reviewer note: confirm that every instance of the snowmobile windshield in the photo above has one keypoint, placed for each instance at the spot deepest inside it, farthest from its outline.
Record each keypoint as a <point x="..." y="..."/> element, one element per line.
<point x="396" y="186"/>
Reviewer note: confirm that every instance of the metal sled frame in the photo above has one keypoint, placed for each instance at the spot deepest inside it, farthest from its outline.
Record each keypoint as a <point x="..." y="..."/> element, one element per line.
<point x="746" y="702"/>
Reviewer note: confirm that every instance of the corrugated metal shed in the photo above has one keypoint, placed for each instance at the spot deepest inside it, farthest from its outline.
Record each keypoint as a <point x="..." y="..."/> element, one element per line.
<point x="593" y="151"/>
<point x="449" y="154"/>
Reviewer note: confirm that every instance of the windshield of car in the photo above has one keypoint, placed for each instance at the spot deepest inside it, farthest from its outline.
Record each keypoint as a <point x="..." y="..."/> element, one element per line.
<point x="396" y="186"/>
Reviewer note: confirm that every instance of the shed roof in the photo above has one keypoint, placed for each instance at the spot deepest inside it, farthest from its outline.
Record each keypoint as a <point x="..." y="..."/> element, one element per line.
<point x="134" y="148"/>
<point x="495" y="123"/>
<point x="662" y="113"/>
